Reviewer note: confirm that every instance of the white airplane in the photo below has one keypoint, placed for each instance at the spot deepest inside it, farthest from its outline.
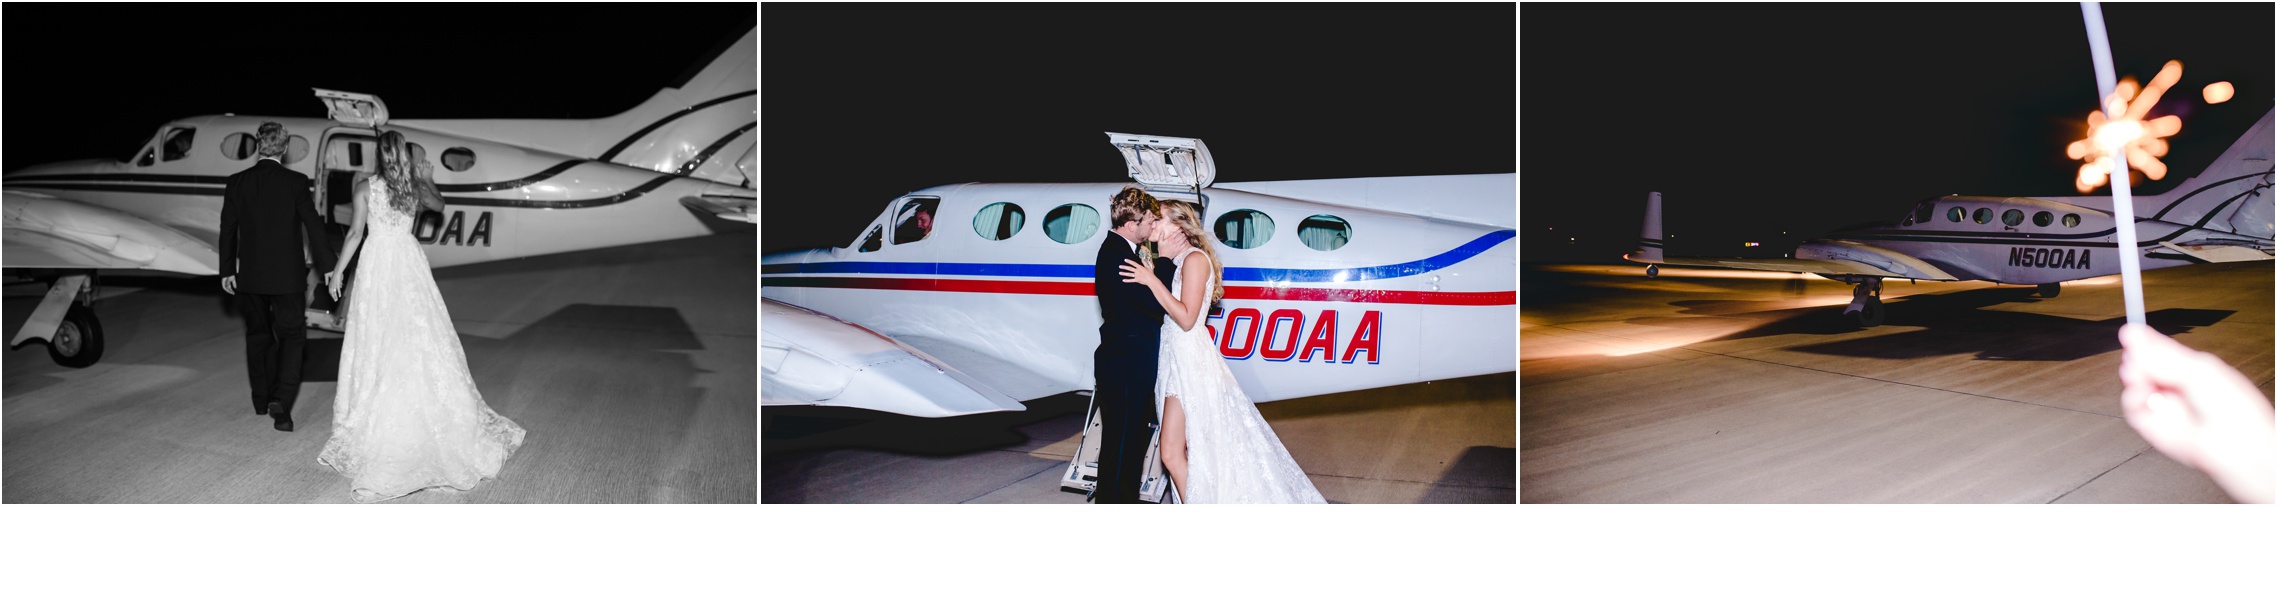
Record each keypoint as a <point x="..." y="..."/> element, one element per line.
<point x="512" y="188"/>
<point x="1331" y="285"/>
<point x="2222" y="215"/>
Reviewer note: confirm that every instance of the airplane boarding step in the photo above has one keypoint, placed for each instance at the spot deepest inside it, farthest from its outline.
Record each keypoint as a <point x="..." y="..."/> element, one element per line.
<point x="1082" y="471"/>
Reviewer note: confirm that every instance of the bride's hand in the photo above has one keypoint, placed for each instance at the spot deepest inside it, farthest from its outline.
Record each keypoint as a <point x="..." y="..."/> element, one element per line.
<point x="1140" y="271"/>
<point x="332" y="283"/>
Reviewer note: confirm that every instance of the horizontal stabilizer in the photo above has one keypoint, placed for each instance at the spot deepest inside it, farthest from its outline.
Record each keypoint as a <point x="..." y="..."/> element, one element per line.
<point x="730" y="208"/>
<point x="809" y="358"/>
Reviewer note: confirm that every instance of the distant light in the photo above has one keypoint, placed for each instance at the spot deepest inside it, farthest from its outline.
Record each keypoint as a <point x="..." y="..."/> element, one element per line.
<point x="2219" y="92"/>
<point x="1752" y="244"/>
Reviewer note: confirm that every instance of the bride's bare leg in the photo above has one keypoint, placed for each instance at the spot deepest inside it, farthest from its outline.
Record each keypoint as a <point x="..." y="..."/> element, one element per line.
<point x="1174" y="443"/>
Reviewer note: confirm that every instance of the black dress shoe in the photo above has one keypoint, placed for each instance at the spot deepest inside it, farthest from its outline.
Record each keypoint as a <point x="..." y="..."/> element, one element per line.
<point x="284" y="419"/>
<point x="260" y="408"/>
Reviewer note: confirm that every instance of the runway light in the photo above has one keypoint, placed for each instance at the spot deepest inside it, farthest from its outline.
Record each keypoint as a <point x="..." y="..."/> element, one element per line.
<point x="2219" y="92"/>
<point x="2119" y="130"/>
<point x="1754" y="244"/>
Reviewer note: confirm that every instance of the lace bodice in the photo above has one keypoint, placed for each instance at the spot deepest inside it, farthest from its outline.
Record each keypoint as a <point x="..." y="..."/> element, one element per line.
<point x="379" y="208"/>
<point x="1178" y="283"/>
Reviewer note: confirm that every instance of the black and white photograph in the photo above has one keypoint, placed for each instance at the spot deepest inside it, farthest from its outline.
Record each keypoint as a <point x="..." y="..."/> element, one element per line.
<point x="1027" y="257"/>
<point x="456" y="260"/>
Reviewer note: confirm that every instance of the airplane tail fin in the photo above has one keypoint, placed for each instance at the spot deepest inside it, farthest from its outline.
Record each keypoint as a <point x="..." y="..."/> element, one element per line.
<point x="700" y="125"/>
<point x="1648" y="242"/>
<point x="2233" y="191"/>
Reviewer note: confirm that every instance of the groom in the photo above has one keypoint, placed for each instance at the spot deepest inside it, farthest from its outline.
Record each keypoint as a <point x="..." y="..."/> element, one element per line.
<point x="267" y="215"/>
<point x="1130" y="338"/>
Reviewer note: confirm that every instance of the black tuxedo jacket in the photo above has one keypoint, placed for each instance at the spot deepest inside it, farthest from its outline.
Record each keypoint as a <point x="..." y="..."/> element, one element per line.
<point x="267" y="215"/>
<point x="1130" y="318"/>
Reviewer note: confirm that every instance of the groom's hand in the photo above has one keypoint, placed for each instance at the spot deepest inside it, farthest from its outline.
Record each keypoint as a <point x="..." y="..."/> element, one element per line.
<point x="229" y="284"/>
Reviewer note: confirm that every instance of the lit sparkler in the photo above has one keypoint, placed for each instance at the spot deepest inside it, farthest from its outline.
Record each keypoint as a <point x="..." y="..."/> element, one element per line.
<point x="2119" y="131"/>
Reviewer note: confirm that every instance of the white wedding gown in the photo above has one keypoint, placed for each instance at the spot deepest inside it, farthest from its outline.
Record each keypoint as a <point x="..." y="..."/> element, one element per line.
<point x="1232" y="456"/>
<point x="407" y="415"/>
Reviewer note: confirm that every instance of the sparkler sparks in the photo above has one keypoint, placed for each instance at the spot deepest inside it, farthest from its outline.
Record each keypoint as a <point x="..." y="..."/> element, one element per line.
<point x="2118" y="130"/>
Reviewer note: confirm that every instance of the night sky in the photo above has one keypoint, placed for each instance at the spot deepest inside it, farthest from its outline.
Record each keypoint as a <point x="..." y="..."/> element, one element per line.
<point x="862" y="105"/>
<point x="1756" y="119"/>
<point x="96" y="81"/>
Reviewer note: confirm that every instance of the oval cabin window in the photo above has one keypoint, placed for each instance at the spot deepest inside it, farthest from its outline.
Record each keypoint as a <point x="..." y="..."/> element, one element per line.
<point x="998" y="221"/>
<point x="1244" y="229"/>
<point x="458" y="159"/>
<point x="1324" y="232"/>
<point x="1071" y="223"/>
<point x="237" y="146"/>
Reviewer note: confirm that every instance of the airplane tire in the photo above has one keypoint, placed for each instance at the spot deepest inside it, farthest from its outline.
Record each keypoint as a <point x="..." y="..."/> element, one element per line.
<point x="2049" y="290"/>
<point x="1652" y="271"/>
<point x="1870" y="316"/>
<point x="78" y="343"/>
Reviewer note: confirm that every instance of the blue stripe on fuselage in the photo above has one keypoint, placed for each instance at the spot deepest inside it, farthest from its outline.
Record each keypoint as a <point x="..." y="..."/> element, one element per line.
<point x="1232" y="274"/>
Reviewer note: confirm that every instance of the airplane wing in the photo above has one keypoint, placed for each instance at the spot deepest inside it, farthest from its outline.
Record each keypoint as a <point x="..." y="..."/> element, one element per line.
<point x="1832" y="257"/>
<point x="49" y="232"/>
<point x="807" y="357"/>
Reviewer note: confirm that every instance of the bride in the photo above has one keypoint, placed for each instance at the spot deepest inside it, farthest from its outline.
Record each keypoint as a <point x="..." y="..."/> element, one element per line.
<point x="1215" y="445"/>
<point x="407" y="416"/>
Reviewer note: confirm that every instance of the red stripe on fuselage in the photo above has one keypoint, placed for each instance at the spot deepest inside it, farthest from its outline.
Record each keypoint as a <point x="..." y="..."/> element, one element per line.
<point x="1245" y="293"/>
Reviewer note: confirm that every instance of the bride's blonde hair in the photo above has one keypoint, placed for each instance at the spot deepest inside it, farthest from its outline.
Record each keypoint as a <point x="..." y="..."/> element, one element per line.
<point x="1189" y="220"/>
<point x="395" y="169"/>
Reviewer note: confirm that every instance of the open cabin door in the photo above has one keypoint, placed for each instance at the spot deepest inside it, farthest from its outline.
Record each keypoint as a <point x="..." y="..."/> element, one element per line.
<point x="346" y="153"/>
<point x="1178" y="166"/>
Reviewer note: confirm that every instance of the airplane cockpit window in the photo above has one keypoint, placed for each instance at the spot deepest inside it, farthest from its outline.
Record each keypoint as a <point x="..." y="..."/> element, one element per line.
<point x="178" y="143"/>
<point x="915" y="220"/>
<point x="1244" y="229"/>
<point x="1982" y="216"/>
<point x="1922" y="213"/>
<point x="458" y="159"/>
<point x="1071" y="223"/>
<point x="999" y="221"/>
<point x="874" y="241"/>
<point x="2042" y="218"/>
<point x="1953" y="214"/>
<point x="2071" y="220"/>
<point x="2012" y="217"/>
<point x="1324" y="232"/>
<point x="149" y="155"/>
